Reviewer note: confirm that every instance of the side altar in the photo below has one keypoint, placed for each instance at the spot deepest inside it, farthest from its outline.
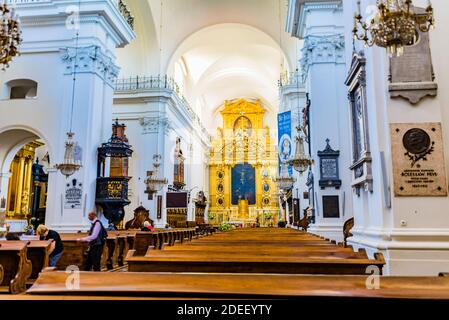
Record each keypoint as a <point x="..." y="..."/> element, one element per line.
<point x="242" y="162"/>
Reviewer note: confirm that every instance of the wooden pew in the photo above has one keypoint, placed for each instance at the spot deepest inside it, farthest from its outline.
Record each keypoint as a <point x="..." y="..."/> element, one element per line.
<point x="37" y="253"/>
<point x="229" y="286"/>
<point x="249" y="263"/>
<point x="74" y="251"/>
<point x="256" y="251"/>
<point x="16" y="266"/>
<point x="125" y="242"/>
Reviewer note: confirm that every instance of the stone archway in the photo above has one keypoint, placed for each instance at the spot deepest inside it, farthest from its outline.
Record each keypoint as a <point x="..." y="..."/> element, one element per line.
<point x="23" y="180"/>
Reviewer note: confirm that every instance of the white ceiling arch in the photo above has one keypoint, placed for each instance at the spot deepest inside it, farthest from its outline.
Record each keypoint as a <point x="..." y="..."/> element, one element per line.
<point x="229" y="61"/>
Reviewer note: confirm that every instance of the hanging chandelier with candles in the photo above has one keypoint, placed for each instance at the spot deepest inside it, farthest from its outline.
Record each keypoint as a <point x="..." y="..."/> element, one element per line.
<point x="154" y="183"/>
<point x="71" y="164"/>
<point x="300" y="161"/>
<point x="10" y="35"/>
<point x="284" y="181"/>
<point x="394" y="26"/>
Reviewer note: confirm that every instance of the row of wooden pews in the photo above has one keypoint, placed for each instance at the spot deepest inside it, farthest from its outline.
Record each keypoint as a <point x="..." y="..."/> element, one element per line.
<point x="126" y="285"/>
<point x="21" y="262"/>
<point x="283" y="251"/>
<point x="244" y="263"/>
<point x="119" y="243"/>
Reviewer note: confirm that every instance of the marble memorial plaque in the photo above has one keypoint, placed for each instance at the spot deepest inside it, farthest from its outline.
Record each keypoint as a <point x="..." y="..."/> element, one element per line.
<point x="329" y="169"/>
<point x="418" y="160"/>
<point x="411" y="75"/>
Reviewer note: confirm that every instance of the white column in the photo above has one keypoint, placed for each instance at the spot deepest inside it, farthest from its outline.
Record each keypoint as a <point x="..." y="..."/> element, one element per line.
<point x="324" y="67"/>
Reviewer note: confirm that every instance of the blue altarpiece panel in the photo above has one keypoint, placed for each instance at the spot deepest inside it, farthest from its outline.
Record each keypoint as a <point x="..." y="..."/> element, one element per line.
<point x="243" y="183"/>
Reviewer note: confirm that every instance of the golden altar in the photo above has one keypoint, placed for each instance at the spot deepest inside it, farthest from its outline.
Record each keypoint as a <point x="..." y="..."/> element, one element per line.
<point x="242" y="161"/>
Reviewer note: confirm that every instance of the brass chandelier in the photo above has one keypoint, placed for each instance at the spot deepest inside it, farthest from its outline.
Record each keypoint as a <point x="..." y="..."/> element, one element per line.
<point x="301" y="161"/>
<point x="71" y="163"/>
<point x="394" y="26"/>
<point x="10" y="35"/>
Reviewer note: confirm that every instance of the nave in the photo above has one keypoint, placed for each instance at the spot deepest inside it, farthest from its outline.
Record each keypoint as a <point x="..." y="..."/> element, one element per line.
<point x="193" y="263"/>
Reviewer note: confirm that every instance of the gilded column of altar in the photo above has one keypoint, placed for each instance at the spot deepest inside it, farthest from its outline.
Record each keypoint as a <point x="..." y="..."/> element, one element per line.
<point x="20" y="183"/>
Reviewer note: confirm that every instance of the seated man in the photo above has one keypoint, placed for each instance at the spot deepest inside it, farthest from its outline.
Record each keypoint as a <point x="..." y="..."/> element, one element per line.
<point x="56" y="248"/>
<point x="147" y="226"/>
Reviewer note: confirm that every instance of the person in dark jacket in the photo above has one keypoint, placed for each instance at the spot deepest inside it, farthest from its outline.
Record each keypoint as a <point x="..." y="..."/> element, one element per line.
<point x="96" y="241"/>
<point x="56" y="248"/>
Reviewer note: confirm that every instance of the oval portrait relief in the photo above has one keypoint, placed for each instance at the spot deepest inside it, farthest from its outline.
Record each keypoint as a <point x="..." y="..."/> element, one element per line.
<point x="416" y="141"/>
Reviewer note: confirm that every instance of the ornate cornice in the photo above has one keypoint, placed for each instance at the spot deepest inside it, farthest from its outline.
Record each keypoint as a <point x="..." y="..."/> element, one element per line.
<point x="90" y="59"/>
<point x="155" y="124"/>
<point x="322" y="49"/>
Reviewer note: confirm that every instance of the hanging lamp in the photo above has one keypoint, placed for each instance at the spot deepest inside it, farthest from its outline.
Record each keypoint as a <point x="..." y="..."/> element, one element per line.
<point x="154" y="183"/>
<point x="300" y="161"/>
<point x="70" y="165"/>
<point x="394" y="26"/>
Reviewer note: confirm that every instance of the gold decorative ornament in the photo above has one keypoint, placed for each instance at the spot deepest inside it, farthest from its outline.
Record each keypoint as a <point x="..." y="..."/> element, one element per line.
<point x="10" y="35"/>
<point x="394" y="26"/>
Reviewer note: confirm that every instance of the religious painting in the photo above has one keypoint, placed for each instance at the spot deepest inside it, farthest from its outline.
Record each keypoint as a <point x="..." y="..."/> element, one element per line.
<point x="243" y="183"/>
<point x="243" y="126"/>
<point x="266" y="187"/>
<point x="285" y="139"/>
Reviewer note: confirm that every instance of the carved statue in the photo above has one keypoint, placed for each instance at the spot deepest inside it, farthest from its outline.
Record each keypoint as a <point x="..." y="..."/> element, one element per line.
<point x="140" y="216"/>
<point x="178" y="180"/>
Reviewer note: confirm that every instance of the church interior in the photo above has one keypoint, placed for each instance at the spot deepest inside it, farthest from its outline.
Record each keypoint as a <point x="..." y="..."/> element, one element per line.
<point x="229" y="148"/>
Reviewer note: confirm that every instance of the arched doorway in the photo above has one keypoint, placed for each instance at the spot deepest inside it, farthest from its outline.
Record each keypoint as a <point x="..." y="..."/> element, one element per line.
<point x="25" y="160"/>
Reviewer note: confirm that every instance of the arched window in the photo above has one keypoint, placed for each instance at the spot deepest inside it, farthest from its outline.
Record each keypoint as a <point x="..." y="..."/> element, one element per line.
<point x="21" y="89"/>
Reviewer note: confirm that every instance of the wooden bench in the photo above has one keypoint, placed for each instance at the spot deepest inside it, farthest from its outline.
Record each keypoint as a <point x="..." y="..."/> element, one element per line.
<point x="246" y="286"/>
<point x="256" y="251"/>
<point x="37" y="253"/>
<point x="217" y="262"/>
<point x="16" y="266"/>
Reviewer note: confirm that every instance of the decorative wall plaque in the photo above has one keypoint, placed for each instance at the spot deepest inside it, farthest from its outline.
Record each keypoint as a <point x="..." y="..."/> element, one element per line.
<point x="73" y="195"/>
<point x="418" y="160"/>
<point x="329" y="176"/>
<point x="411" y="74"/>
<point x="331" y="207"/>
